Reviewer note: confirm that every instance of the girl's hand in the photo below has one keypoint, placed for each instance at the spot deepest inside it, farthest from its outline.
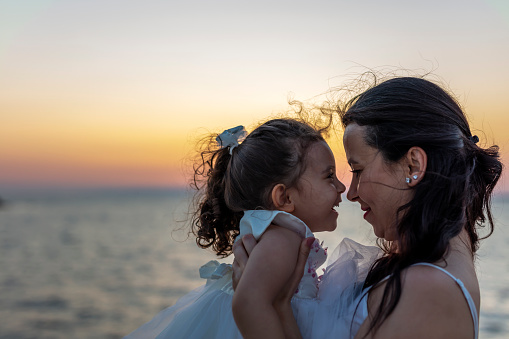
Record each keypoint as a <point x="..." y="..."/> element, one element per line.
<point x="241" y="250"/>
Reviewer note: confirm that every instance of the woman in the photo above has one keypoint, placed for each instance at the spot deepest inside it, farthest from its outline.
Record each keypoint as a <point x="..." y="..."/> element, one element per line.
<point x="425" y="186"/>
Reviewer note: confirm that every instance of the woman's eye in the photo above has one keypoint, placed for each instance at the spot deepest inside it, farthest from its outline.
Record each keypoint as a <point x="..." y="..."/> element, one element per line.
<point x="356" y="172"/>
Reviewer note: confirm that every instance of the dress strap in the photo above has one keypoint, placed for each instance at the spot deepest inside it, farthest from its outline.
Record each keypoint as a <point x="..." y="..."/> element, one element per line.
<point x="256" y="222"/>
<point x="468" y="297"/>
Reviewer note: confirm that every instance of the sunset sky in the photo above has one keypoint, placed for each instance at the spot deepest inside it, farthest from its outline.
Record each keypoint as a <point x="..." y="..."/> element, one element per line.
<point x="114" y="93"/>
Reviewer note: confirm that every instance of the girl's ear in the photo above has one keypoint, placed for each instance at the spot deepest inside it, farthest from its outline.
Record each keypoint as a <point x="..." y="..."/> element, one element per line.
<point x="281" y="199"/>
<point x="417" y="161"/>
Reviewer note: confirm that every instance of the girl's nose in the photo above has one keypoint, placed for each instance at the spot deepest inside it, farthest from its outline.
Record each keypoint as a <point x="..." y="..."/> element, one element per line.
<point x="340" y="186"/>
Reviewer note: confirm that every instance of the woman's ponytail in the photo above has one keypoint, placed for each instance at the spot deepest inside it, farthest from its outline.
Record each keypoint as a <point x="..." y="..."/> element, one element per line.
<point x="485" y="173"/>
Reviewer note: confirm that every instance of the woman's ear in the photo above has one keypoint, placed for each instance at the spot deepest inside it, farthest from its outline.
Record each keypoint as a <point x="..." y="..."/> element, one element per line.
<point x="417" y="161"/>
<point x="281" y="199"/>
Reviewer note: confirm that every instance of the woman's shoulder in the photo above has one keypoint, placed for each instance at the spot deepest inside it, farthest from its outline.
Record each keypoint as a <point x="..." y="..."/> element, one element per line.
<point x="430" y="282"/>
<point x="428" y="277"/>
<point x="456" y="284"/>
<point x="431" y="305"/>
<point x="424" y="285"/>
<point x="442" y="298"/>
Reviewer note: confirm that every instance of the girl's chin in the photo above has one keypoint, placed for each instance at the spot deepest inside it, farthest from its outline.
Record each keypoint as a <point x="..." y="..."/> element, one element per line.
<point x="328" y="228"/>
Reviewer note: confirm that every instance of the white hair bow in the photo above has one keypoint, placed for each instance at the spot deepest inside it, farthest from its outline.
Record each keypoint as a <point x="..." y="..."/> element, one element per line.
<point x="231" y="137"/>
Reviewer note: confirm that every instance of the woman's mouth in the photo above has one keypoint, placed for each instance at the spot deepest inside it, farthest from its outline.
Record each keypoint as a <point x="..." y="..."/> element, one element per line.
<point x="366" y="211"/>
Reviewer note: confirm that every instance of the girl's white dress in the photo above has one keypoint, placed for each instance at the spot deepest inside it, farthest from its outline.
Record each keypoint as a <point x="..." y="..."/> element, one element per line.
<point x="324" y="305"/>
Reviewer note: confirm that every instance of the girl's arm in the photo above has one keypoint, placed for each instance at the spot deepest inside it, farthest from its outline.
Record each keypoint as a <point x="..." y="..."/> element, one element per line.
<point x="283" y="301"/>
<point x="431" y="306"/>
<point x="269" y="269"/>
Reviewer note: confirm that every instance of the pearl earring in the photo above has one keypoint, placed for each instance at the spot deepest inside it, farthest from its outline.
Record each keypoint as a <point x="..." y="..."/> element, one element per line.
<point x="415" y="177"/>
<point x="407" y="180"/>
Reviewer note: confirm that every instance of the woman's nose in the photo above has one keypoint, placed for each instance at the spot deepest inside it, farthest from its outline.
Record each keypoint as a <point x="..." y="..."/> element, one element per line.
<point x="352" y="192"/>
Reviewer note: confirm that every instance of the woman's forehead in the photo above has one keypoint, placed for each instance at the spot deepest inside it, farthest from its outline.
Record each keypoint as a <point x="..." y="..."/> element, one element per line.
<point x="356" y="148"/>
<point x="353" y="138"/>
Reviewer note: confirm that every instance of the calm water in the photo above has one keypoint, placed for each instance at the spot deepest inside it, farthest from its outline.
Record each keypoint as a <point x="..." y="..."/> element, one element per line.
<point x="100" y="264"/>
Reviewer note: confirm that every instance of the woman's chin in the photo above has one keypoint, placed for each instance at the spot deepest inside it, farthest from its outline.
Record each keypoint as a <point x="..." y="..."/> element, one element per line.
<point x="379" y="233"/>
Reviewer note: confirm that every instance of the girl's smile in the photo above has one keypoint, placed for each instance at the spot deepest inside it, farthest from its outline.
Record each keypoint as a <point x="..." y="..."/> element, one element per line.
<point x="318" y="190"/>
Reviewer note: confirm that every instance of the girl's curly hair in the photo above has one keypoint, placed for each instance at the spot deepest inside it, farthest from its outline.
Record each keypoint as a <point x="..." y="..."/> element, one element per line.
<point x="229" y="184"/>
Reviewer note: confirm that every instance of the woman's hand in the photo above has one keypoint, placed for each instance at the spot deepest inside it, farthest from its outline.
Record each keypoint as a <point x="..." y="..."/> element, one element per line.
<point x="241" y="250"/>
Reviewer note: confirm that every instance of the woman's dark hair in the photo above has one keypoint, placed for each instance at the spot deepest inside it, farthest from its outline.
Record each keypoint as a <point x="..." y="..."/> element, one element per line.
<point x="232" y="183"/>
<point x="455" y="192"/>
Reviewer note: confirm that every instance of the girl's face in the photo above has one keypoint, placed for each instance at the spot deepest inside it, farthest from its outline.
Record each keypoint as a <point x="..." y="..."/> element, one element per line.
<point x="318" y="190"/>
<point x="379" y="187"/>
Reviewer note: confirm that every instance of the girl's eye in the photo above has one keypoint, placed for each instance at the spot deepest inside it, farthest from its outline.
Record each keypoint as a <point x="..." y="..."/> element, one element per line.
<point x="330" y="175"/>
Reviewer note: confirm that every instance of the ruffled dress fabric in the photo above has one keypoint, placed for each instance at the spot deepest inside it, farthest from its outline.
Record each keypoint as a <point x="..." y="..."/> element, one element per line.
<point x="324" y="305"/>
<point x="335" y="312"/>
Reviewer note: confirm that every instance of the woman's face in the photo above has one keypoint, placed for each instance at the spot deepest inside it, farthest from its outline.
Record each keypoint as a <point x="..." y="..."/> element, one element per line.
<point x="378" y="186"/>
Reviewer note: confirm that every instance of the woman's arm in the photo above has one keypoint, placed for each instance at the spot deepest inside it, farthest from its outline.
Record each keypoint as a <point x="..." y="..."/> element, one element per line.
<point x="242" y="251"/>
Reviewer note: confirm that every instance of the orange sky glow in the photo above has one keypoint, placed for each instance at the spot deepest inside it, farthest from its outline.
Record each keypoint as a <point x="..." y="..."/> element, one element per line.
<point x="115" y="94"/>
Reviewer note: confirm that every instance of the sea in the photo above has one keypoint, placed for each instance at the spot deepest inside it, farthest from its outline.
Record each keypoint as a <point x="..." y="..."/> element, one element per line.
<point x="100" y="263"/>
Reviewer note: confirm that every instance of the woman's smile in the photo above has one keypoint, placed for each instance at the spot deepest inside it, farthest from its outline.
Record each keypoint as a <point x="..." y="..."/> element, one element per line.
<point x="378" y="186"/>
<point x="366" y="211"/>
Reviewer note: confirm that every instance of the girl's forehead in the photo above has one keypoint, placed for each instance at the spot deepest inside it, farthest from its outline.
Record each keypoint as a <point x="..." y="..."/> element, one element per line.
<point x="319" y="151"/>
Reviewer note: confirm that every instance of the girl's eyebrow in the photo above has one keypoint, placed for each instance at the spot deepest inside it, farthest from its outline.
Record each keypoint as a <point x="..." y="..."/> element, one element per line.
<point x="329" y="168"/>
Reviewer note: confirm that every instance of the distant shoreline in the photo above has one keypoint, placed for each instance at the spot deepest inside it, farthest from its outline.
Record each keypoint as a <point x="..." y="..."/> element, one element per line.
<point x="7" y="195"/>
<point x="19" y="194"/>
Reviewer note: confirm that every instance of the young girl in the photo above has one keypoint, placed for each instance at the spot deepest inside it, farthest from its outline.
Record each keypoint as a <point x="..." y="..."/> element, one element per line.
<point x="280" y="185"/>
